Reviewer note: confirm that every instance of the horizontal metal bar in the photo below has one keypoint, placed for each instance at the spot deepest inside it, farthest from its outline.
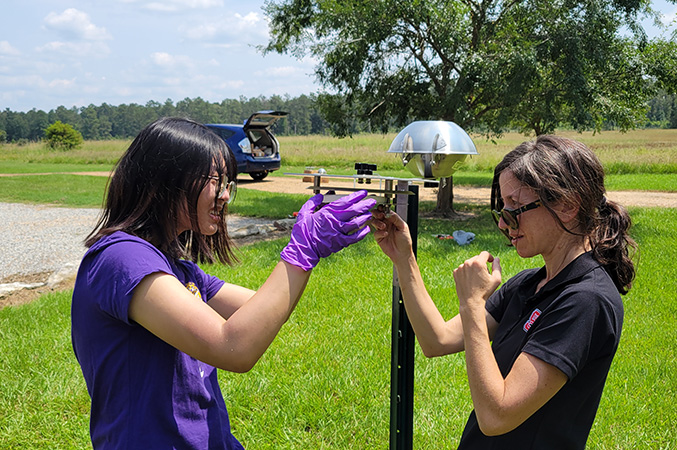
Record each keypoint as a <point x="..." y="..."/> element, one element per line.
<point x="355" y="189"/>
<point x="361" y="177"/>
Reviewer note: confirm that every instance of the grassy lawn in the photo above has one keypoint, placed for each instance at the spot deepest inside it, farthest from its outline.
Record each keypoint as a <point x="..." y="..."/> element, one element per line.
<point x="335" y="394"/>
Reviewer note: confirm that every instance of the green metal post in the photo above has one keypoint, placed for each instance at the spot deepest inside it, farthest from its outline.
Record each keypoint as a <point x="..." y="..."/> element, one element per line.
<point x="402" y="353"/>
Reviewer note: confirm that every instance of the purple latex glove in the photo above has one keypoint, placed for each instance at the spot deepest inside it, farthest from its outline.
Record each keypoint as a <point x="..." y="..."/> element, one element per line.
<point x="319" y="234"/>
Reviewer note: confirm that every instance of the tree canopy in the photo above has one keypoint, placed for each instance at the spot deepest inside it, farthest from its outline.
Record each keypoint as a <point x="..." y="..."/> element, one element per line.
<point x="483" y="64"/>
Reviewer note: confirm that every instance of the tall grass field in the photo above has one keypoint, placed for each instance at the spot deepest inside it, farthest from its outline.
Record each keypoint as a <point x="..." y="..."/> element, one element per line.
<point x="651" y="154"/>
<point x="325" y="381"/>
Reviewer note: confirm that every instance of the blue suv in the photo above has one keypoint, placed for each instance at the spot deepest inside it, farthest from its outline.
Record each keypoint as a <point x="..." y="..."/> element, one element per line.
<point x="255" y="148"/>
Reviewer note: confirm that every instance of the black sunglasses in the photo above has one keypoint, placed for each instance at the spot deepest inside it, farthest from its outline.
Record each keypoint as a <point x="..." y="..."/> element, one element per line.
<point x="509" y="216"/>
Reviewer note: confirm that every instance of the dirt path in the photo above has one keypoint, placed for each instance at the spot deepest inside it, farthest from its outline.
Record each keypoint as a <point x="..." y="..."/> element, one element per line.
<point x="462" y="194"/>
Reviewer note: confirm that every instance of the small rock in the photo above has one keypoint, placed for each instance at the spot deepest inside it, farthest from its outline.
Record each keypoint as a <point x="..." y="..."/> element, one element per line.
<point x="11" y="287"/>
<point x="244" y="231"/>
<point x="67" y="271"/>
<point x="284" y="224"/>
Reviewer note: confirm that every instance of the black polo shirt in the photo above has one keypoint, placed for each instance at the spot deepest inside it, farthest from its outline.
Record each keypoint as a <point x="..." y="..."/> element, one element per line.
<point x="574" y="323"/>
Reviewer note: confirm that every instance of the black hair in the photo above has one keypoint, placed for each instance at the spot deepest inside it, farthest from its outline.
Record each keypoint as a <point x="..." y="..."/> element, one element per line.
<point x="158" y="179"/>
<point x="562" y="170"/>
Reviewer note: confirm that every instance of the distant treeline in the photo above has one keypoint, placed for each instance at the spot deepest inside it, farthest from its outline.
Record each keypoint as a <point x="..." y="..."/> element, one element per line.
<point x="126" y="120"/>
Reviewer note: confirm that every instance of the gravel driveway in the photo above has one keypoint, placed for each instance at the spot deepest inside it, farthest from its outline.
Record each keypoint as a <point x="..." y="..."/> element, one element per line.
<point x="41" y="239"/>
<point x="37" y="238"/>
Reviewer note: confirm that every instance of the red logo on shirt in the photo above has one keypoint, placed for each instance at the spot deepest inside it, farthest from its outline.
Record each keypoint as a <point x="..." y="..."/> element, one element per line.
<point x="532" y="319"/>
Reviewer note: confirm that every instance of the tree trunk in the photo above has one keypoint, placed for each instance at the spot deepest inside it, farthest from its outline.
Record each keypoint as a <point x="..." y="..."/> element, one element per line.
<point x="445" y="197"/>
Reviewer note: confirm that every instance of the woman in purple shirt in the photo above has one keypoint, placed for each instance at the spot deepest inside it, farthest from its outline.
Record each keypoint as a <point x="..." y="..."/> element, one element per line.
<point x="149" y="327"/>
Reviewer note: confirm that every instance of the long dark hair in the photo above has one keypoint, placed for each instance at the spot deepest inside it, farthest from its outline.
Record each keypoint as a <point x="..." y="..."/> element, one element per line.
<point x="566" y="171"/>
<point x="158" y="179"/>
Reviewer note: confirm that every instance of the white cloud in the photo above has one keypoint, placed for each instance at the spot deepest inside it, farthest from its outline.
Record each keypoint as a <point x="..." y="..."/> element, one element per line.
<point x="173" y="81"/>
<point x="33" y="67"/>
<point x="7" y="49"/>
<point x="123" y="91"/>
<point x="75" y="49"/>
<point x="670" y="18"/>
<point x="32" y="82"/>
<point x="76" y="24"/>
<point x="285" y="71"/>
<point x="61" y="84"/>
<point x="202" y="31"/>
<point x="161" y="7"/>
<point x="248" y="29"/>
<point x="232" y="84"/>
<point x="171" y="62"/>
<point x="11" y="96"/>
<point x="204" y="4"/>
<point x="180" y="5"/>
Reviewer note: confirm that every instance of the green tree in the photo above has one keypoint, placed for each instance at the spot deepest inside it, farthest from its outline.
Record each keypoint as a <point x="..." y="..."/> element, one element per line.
<point x="16" y="126"/>
<point x="95" y="126"/>
<point x="61" y="136"/>
<point x="37" y="122"/>
<point x="70" y="116"/>
<point x="167" y="109"/>
<point x="660" y="110"/>
<point x="485" y="65"/>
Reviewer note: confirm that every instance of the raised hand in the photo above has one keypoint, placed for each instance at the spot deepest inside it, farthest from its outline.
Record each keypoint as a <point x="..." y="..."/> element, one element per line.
<point x="391" y="234"/>
<point x="475" y="282"/>
<point x="318" y="233"/>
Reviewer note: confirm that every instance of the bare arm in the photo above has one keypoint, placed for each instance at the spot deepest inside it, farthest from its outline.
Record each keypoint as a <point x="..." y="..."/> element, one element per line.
<point x="500" y="404"/>
<point x="229" y="299"/>
<point x="435" y="335"/>
<point x="164" y="307"/>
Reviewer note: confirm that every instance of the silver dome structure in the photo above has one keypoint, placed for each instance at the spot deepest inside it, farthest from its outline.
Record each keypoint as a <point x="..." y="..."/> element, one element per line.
<point x="432" y="148"/>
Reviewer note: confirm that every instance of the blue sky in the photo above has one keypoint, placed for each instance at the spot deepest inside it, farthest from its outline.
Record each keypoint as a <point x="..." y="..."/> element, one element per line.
<point x="78" y="52"/>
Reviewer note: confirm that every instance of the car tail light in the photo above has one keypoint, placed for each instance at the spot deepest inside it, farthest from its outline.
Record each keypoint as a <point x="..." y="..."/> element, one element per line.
<point x="245" y="145"/>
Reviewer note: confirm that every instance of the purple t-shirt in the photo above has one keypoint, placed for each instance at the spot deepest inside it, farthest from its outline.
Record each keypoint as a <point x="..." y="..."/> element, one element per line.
<point x="145" y="393"/>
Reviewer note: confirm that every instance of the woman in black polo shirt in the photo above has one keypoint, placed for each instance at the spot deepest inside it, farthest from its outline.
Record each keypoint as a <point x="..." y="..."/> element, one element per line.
<point x="538" y="350"/>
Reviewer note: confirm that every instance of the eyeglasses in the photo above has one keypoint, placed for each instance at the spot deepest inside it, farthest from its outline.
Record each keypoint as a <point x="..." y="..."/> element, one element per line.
<point x="509" y="216"/>
<point x="230" y="186"/>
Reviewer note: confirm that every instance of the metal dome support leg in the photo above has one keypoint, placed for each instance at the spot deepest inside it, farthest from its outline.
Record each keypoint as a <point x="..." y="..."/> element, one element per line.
<point x="402" y="353"/>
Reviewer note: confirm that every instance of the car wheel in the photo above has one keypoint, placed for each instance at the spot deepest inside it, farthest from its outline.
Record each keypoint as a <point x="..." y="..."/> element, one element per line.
<point x="258" y="176"/>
